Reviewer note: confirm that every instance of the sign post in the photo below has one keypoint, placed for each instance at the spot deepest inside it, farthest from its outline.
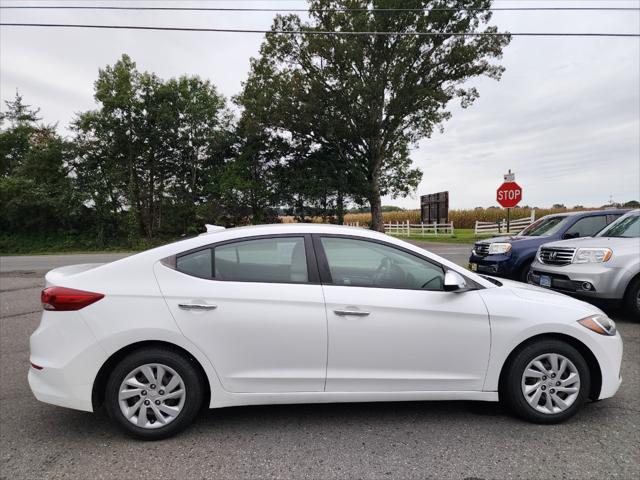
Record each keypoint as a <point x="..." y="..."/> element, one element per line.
<point x="509" y="195"/>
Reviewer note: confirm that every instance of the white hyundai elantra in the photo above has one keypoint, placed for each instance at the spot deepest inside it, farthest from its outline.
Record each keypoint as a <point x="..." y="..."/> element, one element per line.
<point x="309" y="313"/>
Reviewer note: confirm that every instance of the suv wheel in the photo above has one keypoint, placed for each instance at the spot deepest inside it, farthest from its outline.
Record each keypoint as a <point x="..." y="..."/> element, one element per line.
<point x="632" y="299"/>
<point x="546" y="382"/>
<point x="524" y="273"/>
<point x="153" y="393"/>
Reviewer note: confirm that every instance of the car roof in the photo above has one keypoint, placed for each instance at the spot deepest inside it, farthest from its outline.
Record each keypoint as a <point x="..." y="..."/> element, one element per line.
<point x="300" y="227"/>
<point x="586" y="213"/>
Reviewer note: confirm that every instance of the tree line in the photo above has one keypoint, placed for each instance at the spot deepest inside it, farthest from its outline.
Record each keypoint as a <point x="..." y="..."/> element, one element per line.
<point x="323" y="123"/>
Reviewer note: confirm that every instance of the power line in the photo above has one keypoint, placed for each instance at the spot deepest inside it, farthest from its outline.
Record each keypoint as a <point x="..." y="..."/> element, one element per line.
<point x="320" y="32"/>
<point x="307" y="10"/>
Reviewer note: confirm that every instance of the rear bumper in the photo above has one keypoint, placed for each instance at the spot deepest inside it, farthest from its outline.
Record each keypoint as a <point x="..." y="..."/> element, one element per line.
<point x="70" y="358"/>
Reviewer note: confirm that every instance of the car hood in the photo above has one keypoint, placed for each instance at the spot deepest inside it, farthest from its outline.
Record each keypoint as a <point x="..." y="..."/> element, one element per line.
<point x="521" y="241"/>
<point x="546" y="296"/>
<point x="591" y="242"/>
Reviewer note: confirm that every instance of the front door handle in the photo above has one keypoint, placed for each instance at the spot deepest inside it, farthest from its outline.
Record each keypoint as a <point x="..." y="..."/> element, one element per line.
<point x="197" y="306"/>
<point x="355" y="313"/>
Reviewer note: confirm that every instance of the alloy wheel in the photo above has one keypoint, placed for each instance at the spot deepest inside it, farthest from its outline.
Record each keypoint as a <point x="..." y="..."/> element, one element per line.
<point x="151" y="396"/>
<point x="550" y="383"/>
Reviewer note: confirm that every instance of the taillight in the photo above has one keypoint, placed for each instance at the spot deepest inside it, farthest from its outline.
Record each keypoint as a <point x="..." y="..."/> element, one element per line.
<point x="63" y="299"/>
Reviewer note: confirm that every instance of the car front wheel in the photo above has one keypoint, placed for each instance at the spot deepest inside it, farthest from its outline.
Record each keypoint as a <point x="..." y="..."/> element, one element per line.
<point x="153" y="393"/>
<point x="546" y="382"/>
<point x="632" y="299"/>
<point x="524" y="273"/>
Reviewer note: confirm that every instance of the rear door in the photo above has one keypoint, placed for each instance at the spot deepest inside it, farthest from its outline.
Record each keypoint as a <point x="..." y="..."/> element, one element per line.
<point x="256" y="308"/>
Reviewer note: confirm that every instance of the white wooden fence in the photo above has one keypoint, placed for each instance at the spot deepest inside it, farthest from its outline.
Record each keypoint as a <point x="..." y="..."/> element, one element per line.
<point x="515" y="226"/>
<point x="419" y="229"/>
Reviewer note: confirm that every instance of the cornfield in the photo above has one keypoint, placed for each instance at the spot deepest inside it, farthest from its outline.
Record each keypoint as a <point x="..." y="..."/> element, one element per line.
<point x="460" y="218"/>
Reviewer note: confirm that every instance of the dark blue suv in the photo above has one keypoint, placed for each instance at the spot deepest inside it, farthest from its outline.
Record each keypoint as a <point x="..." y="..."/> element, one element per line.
<point x="511" y="257"/>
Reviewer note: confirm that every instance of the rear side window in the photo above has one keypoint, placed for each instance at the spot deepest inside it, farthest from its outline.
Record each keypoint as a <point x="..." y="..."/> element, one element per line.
<point x="588" y="226"/>
<point x="279" y="260"/>
<point x="197" y="264"/>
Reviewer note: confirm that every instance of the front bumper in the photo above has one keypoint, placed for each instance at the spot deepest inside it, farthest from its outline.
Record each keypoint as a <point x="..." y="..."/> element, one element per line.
<point x="603" y="282"/>
<point x="498" y="265"/>
<point x="608" y="352"/>
<point x="69" y="357"/>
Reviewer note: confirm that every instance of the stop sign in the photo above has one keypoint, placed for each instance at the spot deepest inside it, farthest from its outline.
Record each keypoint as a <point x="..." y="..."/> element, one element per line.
<point x="509" y="194"/>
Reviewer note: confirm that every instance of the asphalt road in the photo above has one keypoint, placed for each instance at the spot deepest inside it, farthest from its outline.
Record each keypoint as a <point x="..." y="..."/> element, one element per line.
<point x="460" y="440"/>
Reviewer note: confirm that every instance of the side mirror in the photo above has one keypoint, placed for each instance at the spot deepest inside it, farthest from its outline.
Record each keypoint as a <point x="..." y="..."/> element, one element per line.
<point x="453" y="281"/>
<point x="567" y="236"/>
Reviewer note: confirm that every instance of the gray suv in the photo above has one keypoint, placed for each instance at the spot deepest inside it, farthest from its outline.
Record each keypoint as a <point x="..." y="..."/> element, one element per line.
<point x="604" y="267"/>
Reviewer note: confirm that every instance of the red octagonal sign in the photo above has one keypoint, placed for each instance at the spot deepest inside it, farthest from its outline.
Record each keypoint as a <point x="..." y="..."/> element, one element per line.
<point x="509" y="194"/>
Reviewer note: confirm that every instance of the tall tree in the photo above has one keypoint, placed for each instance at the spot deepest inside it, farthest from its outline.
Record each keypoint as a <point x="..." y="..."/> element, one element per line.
<point x="18" y="122"/>
<point x="156" y="145"/>
<point x="36" y="191"/>
<point x="372" y="97"/>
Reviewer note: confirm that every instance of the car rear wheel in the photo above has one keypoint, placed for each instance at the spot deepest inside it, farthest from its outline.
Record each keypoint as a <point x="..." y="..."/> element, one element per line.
<point x="632" y="299"/>
<point x="546" y="382"/>
<point x="153" y="393"/>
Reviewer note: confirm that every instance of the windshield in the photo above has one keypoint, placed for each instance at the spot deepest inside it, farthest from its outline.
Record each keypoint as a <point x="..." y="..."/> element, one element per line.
<point x="625" y="227"/>
<point x="544" y="227"/>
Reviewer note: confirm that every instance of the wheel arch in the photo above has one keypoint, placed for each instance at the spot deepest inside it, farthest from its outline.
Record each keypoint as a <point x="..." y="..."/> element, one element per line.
<point x="100" y="382"/>
<point x="523" y="262"/>
<point x="589" y="357"/>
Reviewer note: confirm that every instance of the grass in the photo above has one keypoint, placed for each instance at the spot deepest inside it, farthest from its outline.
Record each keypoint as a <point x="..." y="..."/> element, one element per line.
<point x="462" y="235"/>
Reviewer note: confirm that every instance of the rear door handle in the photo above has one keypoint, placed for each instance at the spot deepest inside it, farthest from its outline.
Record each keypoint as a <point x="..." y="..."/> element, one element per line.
<point x="197" y="306"/>
<point x="354" y="313"/>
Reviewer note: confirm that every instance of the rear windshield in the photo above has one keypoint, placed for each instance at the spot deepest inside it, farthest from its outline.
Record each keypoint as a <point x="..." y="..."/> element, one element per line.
<point x="544" y="227"/>
<point x="625" y="227"/>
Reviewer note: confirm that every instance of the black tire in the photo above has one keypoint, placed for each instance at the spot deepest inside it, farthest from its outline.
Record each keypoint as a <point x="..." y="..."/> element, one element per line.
<point x="511" y="389"/>
<point x="192" y="387"/>
<point x="631" y="299"/>
<point x="524" y="273"/>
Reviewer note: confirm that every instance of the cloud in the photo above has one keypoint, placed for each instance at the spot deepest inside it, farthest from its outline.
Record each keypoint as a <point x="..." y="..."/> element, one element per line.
<point x="565" y="117"/>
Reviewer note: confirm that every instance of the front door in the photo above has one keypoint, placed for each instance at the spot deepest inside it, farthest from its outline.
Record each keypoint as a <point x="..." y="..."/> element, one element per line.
<point x="392" y="327"/>
<point x="253" y="307"/>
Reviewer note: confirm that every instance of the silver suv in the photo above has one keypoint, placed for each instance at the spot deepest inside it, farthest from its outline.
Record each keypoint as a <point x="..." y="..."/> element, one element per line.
<point x="604" y="267"/>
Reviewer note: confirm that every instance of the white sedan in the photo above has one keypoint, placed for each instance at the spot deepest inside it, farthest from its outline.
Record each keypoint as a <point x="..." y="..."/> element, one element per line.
<point x="307" y="314"/>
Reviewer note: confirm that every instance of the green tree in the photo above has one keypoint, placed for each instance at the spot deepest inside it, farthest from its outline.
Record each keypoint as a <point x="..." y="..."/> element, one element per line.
<point x="371" y="98"/>
<point x="36" y="191"/>
<point x="150" y="150"/>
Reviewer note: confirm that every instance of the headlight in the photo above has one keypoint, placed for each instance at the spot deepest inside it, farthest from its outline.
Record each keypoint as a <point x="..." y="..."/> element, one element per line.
<point x="497" y="248"/>
<point x="592" y="255"/>
<point x="600" y="324"/>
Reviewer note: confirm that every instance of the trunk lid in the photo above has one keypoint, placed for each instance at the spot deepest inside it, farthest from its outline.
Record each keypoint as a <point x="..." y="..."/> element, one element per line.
<point x="58" y="275"/>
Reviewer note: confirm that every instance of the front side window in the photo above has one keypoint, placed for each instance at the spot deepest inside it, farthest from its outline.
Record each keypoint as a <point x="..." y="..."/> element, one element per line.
<point x="627" y="227"/>
<point x="361" y="263"/>
<point x="585" y="227"/>
<point x="279" y="260"/>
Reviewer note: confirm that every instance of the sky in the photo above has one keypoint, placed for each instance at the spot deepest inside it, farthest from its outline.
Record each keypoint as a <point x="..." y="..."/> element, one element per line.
<point x="565" y="118"/>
